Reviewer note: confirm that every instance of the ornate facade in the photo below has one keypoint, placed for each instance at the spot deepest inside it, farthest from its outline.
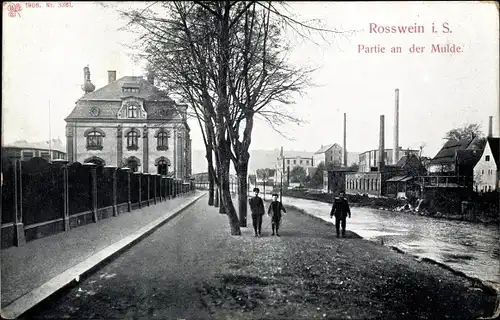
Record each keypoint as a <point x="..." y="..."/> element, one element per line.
<point x="129" y="123"/>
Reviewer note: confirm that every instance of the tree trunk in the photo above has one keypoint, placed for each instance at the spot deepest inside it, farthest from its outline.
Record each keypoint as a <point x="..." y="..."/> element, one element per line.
<point x="217" y="198"/>
<point x="242" y="197"/>
<point x="211" y="181"/>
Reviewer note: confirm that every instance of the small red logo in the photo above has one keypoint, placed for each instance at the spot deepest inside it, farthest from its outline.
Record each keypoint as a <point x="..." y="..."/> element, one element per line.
<point x="14" y="9"/>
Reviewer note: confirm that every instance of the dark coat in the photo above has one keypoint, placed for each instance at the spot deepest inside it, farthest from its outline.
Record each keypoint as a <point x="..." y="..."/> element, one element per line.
<point x="275" y="209"/>
<point x="256" y="206"/>
<point x="340" y="208"/>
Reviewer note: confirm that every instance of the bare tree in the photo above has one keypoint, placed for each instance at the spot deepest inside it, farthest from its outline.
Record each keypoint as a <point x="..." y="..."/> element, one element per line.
<point x="226" y="59"/>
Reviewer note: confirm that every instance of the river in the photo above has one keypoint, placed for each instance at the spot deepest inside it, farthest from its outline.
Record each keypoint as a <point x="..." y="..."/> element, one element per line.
<point x="471" y="248"/>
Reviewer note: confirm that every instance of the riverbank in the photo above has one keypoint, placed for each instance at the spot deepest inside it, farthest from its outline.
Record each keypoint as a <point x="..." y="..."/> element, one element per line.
<point x="397" y="205"/>
<point x="308" y="273"/>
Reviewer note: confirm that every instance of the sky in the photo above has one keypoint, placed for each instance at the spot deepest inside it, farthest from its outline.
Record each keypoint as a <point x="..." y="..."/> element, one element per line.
<point x="46" y="48"/>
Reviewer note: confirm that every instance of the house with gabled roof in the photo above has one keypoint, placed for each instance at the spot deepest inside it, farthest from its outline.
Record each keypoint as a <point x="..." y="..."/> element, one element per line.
<point x="487" y="168"/>
<point x="129" y="123"/>
<point x="329" y="154"/>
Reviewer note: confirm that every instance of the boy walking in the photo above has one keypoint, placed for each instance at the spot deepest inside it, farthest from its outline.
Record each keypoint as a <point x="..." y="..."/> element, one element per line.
<point x="257" y="208"/>
<point x="274" y="211"/>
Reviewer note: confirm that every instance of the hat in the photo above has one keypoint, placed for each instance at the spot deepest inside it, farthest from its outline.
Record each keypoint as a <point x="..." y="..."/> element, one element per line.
<point x="256" y="190"/>
<point x="275" y="194"/>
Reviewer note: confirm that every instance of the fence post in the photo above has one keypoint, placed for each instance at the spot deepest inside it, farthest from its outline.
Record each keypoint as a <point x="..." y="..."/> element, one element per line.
<point x="19" y="237"/>
<point x="140" y="188"/>
<point x="63" y="165"/>
<point x="129" y="194"/>
<point x="149" y="188"/>
<point x="93" y="179"/>
<point x="115" y="191"/>
<point x="154" y="186"/>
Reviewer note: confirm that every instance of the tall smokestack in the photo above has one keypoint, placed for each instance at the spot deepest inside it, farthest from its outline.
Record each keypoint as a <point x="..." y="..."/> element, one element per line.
<point x="490" y="127"/>
<point x="381" y="147"/>
<point x="395" y="150"/>
<point x="344" y="150"/>
<point x="111" y="76"/>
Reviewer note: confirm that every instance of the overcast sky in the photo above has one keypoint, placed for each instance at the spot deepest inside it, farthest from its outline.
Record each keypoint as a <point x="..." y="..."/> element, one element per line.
<point x="45" y="50"/>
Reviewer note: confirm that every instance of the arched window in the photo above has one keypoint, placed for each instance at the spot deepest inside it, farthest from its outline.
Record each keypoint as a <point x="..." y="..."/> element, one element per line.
<point x="133" y="140"/>
<point x="162" y="141"/>
<point x="133" y="165"/>
<point x="94" y="139"/>
<point x="132" y="111"/>
<point x="162" y="167"/>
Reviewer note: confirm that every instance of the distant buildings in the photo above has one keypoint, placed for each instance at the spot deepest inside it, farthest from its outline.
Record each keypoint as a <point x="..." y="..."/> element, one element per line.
<point x="368" y="160"/>
<point x="292" y="159"/>
<point x="24" y="150"/>
<point x="329" y="154"/>
<point x="129" y="123"/>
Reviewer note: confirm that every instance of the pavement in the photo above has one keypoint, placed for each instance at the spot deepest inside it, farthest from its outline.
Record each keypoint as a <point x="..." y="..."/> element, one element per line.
<point x="191" y="268"/>
<point x="37" y="270"/>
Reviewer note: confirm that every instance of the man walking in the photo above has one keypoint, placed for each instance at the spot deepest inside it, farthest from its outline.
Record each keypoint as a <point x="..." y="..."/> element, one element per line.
<point x="341" y="210"/>
<point x="274" y="211"/>
<point x="257" y="208"/>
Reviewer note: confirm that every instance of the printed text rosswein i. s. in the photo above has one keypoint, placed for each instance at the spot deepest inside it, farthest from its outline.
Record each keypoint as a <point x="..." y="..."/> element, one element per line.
<point x="434" y="28"/>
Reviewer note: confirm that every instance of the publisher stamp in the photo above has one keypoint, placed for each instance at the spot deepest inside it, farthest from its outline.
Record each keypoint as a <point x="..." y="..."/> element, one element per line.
<point x="14" y="9"/>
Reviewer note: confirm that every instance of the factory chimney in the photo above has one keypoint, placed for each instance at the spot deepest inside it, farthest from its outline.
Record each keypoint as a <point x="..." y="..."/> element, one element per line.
<point x="395" y="150"/>
<point x="381" y="148"/>
<point x="344" y="149"/>
<point x="490" y="127"/>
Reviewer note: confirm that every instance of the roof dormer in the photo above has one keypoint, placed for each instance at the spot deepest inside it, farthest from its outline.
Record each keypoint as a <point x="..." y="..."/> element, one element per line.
<point x="130" y="87"/>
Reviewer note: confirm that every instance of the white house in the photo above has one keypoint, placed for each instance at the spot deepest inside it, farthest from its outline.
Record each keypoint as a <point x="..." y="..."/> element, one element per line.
<point x="487" y="169"/>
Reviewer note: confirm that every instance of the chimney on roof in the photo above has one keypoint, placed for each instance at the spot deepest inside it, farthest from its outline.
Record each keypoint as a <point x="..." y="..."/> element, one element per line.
<point x="381" y="147"/>
<point x="490" y="127"/>
<point x="395" y="150"/>
<point x="111" y="76"/>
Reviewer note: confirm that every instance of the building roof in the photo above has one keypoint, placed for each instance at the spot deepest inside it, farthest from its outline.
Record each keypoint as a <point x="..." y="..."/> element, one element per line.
<point x="295" y="154"/>
<point x="495" y="149"/>
<point x="468" y="158"/>
<point x="56" y="145"/>
<point x="400" y="179"/>
<point x="324" y="149"/>
<point x="113" y="90"/>
<point x="109" y="100"/>
<point x="447" y="154"/>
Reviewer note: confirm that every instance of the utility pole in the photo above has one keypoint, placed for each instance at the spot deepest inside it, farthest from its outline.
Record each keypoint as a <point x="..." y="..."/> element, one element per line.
<point x="282" y="171"/>
<point x="50" y="137"/>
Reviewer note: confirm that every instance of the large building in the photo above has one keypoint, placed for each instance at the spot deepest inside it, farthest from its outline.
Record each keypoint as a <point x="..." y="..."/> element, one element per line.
<point x="329" y="154"/>
<point x="292" y="159"/>
<point x="129" y="123"/>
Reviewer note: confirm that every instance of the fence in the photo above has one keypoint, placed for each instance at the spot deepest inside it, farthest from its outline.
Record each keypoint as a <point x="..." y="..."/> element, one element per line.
<point x="40" y="198"/>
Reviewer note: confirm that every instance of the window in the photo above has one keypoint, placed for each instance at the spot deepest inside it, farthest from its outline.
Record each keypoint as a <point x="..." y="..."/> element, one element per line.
<point x="288" y="162"/>
<point x="482" y="171"/>
<point x="162" y="141"/>
<point x="133" y="140"/>
<point x="294" y="161"/>
<point x="162" y="167"/>
<point x="133" y="165"/>
<point x="300" y="161"/>
<point x="132" y="111"/>
<point x="307" y="161"/>
<point x="487" y="158"/>
<point x="94" y="140"/>
<point x="130" y="90"/>
<point x="45" y="155"/>
<point x="27" y="155"/>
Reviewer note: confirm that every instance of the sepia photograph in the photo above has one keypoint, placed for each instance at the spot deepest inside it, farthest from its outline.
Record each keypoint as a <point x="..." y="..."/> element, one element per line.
<point x="250" y="160"/>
